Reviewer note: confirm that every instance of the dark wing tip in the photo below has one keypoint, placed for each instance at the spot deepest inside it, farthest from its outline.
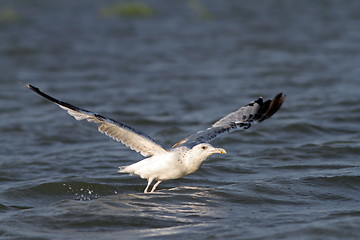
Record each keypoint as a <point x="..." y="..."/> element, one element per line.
<point x="52" y="99"/>
<point x="273" y="106"/>
<point x="38" y="91"/>
<point x="31" y="87"/>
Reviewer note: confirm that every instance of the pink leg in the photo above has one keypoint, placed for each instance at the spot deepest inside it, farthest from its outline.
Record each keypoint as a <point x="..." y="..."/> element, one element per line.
<point x="155" y="186"/>
<point x="148" y="185"/>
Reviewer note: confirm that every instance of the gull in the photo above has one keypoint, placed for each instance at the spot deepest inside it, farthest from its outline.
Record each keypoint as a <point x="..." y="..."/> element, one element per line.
<point x="183" y="158"/>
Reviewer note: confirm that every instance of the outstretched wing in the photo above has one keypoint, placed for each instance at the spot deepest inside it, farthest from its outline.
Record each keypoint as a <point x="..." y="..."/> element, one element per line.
<point x="254" y="112"/>
<point x="120" y="132"/>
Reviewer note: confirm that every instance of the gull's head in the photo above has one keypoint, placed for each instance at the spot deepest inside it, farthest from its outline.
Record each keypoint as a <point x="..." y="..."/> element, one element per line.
<point x="205" y="150"/>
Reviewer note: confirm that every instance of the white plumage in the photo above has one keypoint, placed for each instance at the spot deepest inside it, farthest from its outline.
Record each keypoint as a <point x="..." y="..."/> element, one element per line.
<point x="186" y="156"/>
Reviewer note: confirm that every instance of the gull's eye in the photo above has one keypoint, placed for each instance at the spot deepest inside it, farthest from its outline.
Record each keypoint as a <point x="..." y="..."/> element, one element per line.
<point x="204" y="147"/>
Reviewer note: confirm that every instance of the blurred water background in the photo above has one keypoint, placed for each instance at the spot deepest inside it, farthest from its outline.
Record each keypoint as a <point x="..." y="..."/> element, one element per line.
<point x="170" y="68"/>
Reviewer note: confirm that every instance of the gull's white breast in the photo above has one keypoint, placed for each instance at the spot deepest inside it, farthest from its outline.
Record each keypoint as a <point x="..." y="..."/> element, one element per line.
<point x="161" y="167"/>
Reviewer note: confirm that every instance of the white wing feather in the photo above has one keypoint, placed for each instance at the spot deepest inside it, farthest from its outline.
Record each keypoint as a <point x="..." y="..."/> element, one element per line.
<point x="120" y="132"/>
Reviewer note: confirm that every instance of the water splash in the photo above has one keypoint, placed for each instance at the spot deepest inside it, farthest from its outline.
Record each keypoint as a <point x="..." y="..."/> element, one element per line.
<point x="81" y="193"/>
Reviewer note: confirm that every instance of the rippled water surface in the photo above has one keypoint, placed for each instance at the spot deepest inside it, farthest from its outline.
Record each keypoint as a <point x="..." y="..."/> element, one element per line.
<point x="170" y="73"/>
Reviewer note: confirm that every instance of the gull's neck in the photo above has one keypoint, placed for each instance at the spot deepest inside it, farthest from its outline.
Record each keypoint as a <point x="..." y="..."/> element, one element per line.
<point x="190" y="160"/>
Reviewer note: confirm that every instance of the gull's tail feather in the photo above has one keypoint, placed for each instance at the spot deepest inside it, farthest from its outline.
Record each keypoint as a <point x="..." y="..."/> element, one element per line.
<point x="122" y="169"/>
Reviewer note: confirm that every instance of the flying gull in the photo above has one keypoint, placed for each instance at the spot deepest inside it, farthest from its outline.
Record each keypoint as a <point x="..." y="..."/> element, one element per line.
<point x="185" y="157"/>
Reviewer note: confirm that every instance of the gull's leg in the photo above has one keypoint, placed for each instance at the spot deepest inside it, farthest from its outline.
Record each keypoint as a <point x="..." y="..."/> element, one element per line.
<point x="155" y="185"/>
<point x="148" y="185"/>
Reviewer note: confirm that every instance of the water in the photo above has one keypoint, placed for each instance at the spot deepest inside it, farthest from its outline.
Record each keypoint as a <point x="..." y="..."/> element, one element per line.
<point x="295" y="176"/>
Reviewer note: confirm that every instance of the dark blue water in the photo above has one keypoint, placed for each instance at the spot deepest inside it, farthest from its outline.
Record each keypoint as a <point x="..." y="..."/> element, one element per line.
<point x="170" y="74"/>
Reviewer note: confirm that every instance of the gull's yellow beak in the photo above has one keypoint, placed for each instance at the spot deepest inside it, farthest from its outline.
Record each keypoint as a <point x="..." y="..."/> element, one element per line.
<point x="219" y="150"/>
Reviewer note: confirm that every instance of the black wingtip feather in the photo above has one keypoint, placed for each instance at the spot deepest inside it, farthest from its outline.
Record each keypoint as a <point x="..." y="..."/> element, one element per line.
<point x="37" y="90"/>
<point x="50" y="98"/>
<point x="273" y="106"/>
